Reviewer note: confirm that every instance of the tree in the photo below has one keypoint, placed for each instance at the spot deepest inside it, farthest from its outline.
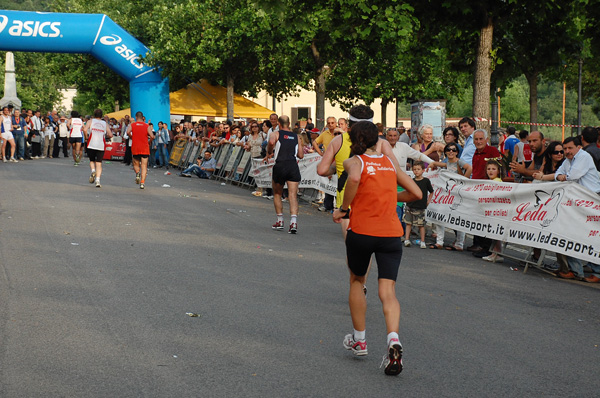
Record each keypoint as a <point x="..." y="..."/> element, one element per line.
<point x="36" y="82"/>
<point x="328" y="39"/>
<point x="97" y="85"/>
<point x="224" y="42"/>
<point x="537" y="37"/>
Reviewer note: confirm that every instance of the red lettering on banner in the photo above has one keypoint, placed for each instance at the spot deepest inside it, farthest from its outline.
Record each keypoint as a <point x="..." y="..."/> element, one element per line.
<point x="438" y="197"/>
<point x="523" y="215"/>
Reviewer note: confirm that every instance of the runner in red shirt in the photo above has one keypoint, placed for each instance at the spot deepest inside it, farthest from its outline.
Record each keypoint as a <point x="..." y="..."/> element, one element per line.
<point x="140" y="132"/>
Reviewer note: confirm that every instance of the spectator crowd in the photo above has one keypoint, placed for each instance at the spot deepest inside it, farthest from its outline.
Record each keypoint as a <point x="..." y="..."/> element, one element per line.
<point x="522" y="157"/>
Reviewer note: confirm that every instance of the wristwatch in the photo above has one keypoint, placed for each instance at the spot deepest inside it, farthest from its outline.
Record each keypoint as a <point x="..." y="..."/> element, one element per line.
<point x="344" y="211"/>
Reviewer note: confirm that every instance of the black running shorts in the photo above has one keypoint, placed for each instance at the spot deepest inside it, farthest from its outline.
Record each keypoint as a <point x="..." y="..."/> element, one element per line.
<point x="140" y="157"/>
<point x="388" y="253"/>
<point x="95" y="155"/>
<point x="286" y="171"/>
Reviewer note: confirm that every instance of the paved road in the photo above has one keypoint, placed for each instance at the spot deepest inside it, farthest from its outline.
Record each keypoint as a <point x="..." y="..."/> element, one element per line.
<point x="95" y="285"/>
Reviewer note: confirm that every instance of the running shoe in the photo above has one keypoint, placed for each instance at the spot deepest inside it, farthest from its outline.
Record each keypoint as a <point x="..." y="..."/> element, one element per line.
<point x="77" y="158"/>
<point x="14" y="160"/>
<point x="142" y="186"/>
<point x="21" y="159"/>
<point x="92" y="177"/>
<point x="4" y="160"/>
<point x="278" y="226"/>
<point x="393" y="360"/>
<point x="423" y="245"/>
<point x="98" y="183"/>
<point x="407" y="243"/>
<point x="293" y="228"/>
<point x="138" y="177"/>
<point x="358" y="348"/>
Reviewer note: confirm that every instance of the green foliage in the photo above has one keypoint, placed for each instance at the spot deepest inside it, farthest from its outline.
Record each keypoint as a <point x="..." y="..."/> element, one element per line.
<point x="97" y="85"/>
<point x="24" y="5"/>
<point x="514" y="106"/>
<point x="36" y="81"/>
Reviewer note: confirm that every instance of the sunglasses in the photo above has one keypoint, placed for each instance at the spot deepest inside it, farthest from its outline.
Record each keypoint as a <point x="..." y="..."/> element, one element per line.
<point x="558" y="152"/>
<point x="337" y="133"/>
<point x="451" y="150"/>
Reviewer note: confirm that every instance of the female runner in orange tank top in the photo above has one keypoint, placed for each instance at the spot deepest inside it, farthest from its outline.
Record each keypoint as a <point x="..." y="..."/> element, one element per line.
<point x="374" y="228"/>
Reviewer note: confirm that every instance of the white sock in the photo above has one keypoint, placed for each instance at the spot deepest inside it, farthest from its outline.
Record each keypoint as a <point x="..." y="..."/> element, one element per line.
<point x="279" y="217"/>
<point x="359" y="335"/>
<point x="293" y="221"/>
<point x="391" y="336"/>
<point x="93" y="171"/>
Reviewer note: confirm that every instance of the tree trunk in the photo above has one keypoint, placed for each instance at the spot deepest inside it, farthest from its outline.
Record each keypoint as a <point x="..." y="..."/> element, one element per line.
<point x="396" y="122"/>
<point x="532" y="79"/>
<point x="230" y="97"/>
<point x="320" y="91"/>
<point x="319" y="86"/>
<point x="483" y="75"/>
<point x="384" y="104"/>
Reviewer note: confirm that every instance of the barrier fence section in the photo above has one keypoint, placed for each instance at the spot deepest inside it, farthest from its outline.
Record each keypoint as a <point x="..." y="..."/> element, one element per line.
<point x="562" y="217"/>
<point x="233" y="163"/>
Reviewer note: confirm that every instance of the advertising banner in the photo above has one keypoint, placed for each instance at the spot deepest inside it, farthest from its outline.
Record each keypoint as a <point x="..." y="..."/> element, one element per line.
<point x="177" y="151"/>
<point x="557" y="216"/>
<point x="262" y="174"/>
<point x="114" y="151"/>
<point x="94" y="34"/>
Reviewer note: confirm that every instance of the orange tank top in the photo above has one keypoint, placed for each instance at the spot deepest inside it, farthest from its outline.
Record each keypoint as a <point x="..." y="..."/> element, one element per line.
<point x="374" y="206"/>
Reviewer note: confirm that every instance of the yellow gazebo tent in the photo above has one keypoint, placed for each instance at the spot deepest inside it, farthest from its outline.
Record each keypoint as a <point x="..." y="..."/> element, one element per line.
<point x="204" y="99"/>
<point x="120" y="114"/>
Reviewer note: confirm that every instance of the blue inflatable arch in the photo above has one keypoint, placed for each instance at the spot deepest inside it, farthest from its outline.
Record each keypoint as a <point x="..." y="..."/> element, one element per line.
<point x="94" y="34"/>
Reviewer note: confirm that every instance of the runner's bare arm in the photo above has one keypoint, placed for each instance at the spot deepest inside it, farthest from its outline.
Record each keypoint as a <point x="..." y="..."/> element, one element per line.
<point x="300" y="153"/>
<point x="273" y="138"/>
<point x="109" y="133"/>
<point x="150" y="132"/>
<point x="326" y="166"/>
<point x="353" y="168"/>
<point x="86" y="128"/>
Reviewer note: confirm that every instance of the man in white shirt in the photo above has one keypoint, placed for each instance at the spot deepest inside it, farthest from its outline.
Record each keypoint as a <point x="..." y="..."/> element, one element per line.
<point x="467" y="128"/>
<point x="579" y="167"/>
<point x="403" y="151"/>
<point x="36" y="134"/>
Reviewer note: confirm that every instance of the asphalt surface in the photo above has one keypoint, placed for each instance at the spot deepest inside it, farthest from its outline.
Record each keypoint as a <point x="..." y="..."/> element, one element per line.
<point x="95" y="285"/>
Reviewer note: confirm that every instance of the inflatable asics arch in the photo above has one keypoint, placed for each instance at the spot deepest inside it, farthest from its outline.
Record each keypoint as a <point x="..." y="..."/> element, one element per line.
<point x="94" y="34"/>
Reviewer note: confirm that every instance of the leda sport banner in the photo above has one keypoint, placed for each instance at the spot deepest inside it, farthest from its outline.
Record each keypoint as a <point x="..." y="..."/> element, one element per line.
<point x="562" y="217"/>
<point x="94" y="34"/>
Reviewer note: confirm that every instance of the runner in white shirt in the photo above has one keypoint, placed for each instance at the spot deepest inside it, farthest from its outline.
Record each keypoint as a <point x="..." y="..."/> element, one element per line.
<point x="7" y="135"/>
<point x="95" y="130"/>
<point x="75" y="126"/>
